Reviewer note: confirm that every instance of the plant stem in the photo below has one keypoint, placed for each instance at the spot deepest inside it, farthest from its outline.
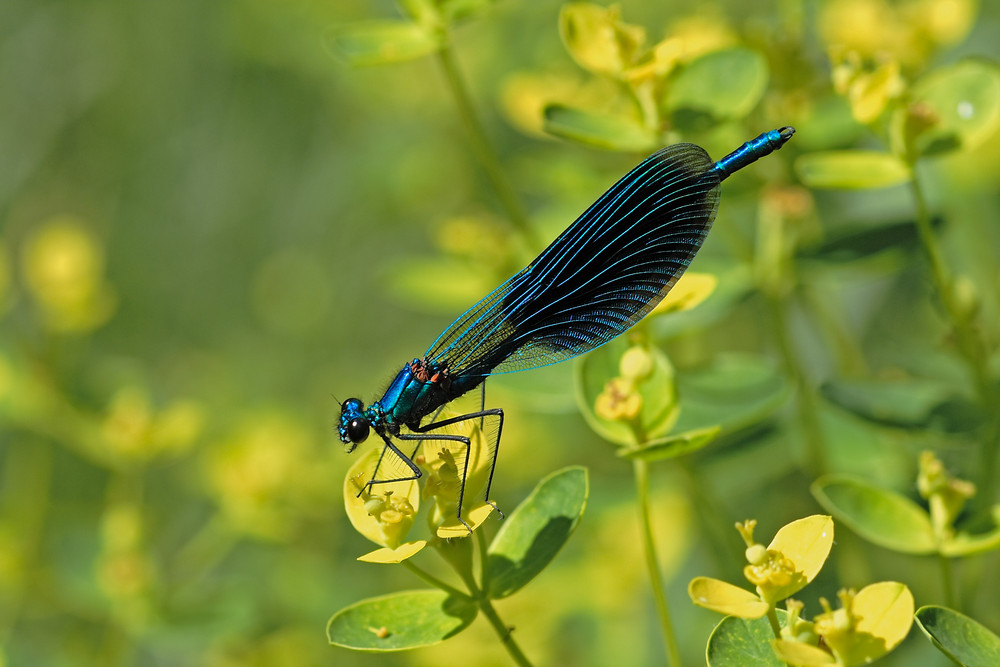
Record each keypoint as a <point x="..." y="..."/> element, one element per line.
<point x="805" y="402"/>
<point x="711" y="517"/>
<point x="204" y="551"/>
<point x="947" y="582"/>
<point x="432" y="580"/>
<point x="504" y="632"/>
<point x="772" y="618"/>
<point x="481" y="145"/>
<point x="969" y="344"/>
<point x="641" y="469"/>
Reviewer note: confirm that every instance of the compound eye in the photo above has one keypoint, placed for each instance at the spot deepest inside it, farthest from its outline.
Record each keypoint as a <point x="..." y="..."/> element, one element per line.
<point x="357" y="430"/>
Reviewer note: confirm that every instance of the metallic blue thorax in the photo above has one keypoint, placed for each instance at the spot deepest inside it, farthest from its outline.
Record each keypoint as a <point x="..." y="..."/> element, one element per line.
<point x="418" y="389"/>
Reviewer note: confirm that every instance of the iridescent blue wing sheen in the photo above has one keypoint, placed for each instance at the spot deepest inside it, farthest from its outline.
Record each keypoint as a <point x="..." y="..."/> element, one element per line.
<point x="603" y="274"/>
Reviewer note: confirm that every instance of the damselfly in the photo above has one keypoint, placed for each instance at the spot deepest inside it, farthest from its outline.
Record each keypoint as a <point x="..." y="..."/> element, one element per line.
<point x="603" y="274"/>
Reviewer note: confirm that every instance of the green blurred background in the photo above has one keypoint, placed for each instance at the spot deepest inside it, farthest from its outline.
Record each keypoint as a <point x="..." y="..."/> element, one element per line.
<point x="211" y="227"/>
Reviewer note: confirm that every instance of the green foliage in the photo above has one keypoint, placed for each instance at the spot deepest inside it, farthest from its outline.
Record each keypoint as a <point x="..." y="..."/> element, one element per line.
<point x="526" y="544"/>
<point x="401" y="621"/>
<point x="854" y="169"/>
<point x="884" y="518"/>
<point x="724" y="84"/>
<point x="739" y="641"/>
<point x="536" y="531"/>
<point x="210" y="226"/>
<point x="959" y="637"/>
<point x="869" y="624"/>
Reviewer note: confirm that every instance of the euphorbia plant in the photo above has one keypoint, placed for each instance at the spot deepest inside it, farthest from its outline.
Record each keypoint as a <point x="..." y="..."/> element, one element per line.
<point x="868" y="624"/>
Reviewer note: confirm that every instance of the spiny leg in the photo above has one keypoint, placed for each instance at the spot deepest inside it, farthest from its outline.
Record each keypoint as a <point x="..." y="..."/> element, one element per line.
<point x="407" y="460"/>
<point x="465" y="467"/>
<point x="481" y="415"/>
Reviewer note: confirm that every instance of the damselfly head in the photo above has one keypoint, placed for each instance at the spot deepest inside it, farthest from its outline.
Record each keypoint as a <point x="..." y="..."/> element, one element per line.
<point x="353" y="426"/>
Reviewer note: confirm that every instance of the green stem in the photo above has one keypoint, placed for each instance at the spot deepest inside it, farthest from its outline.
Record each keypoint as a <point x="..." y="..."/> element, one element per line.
<point x="805" y="403"/>
<point x="203" y="552"/>
<point x="504" y="632"/>
<point x="641" y="469"/>
<point x="25" y="491"/>
<point x="772" y="618"/>
<point x="711" y="517"/>
<point x="432" y="580"/>
<point x="774" y="274"/>
<point x="481" y="145"/>
<point x="947" y="582"/>
<point x="969" y="344"/>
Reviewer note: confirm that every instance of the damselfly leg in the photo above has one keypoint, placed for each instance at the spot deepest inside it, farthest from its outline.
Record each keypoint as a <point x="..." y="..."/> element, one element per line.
<point x="426" y="433"/>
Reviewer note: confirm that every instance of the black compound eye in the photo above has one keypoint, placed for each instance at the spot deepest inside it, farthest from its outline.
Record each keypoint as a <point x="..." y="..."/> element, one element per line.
<point x="357" y="430"/>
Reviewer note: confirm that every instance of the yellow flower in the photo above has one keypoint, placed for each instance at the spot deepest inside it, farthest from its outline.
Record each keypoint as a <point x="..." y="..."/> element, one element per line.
<point x="869" y="88"/>
<point x="945" y="494"/>
<point x="868" y="624"/>
<point x="619" y="401"/>
<point x="383" y="513"/>
<point x="793" y="559"/>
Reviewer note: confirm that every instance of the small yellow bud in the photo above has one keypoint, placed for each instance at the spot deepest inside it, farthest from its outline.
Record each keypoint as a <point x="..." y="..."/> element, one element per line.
<point x="756" y="554"/>
<point x="636" y="363"/>
<point x="746" y="531"/>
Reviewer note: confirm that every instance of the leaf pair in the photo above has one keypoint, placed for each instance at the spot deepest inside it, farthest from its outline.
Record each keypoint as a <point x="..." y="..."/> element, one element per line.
<point x="526" y="543"/>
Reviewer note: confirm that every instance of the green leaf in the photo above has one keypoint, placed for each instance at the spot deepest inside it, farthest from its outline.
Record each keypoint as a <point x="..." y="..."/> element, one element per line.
<point x="905" y="403"/>
<point x="672" y="446"/>
<point x="853" y="241"/>
<point x="383" y="42"/>
<point x="459" y="10"/>
<point x="959" y="637"/>
<point x="594" y="129"/>
<point x="531" y="537"/>
<point x="734" y="391"/>
<point x="879" y="516"/>
<point x="401" y="621"/>
<point x="724" y="84"/>
<point x="967" y="544"/>
<point x="854" y="169"/>
<point x="440" y="283"/>
<point x="737" y="642"/>
<point x="964" y="99"/>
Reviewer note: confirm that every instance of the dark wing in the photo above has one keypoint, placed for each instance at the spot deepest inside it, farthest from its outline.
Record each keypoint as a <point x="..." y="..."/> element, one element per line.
<point x="599" y="277"/>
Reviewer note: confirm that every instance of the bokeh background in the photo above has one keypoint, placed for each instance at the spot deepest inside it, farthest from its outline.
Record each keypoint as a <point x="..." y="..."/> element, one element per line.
<point x="213" y="229"/>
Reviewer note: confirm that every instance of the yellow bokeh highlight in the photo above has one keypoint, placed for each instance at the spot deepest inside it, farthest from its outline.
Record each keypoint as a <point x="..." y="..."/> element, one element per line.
<point x="267" y="475"/>
<point x="63" y="267"/>
<point x="135" y="431"/>
<point x="906" y="31"/>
